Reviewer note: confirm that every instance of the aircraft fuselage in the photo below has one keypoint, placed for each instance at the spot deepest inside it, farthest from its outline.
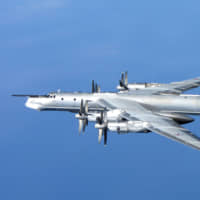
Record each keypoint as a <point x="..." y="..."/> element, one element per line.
<point x="187" y="104"/>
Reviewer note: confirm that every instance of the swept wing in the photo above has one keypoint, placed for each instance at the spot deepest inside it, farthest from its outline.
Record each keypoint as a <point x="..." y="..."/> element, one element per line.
<point x="171" y="88"/>
<point x="154" y="122"/>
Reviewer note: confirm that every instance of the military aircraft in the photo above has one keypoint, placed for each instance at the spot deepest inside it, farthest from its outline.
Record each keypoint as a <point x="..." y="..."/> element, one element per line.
<point x="134" y="108"/>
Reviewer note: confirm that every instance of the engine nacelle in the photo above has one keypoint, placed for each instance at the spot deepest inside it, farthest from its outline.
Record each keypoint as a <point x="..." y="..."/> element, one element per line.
<point x="138" y="86"/>
<point x="128" y="126"/>
<point x="114" y="115"/>
<point x="111" y="116"/>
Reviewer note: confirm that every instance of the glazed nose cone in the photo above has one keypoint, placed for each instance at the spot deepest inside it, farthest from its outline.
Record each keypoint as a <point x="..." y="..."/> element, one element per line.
<point x="32" y="103"/>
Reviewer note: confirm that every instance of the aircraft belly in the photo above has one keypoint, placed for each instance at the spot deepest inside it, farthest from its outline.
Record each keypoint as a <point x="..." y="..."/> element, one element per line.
<point x="60" y="106"/>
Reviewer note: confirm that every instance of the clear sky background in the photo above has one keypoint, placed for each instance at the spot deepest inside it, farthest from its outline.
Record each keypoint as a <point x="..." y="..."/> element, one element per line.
<point x="50" y="44"/>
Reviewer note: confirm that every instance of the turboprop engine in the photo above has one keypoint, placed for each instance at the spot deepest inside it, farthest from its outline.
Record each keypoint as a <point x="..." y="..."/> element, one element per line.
<point x="128" y="126"/>
<point x="124" y="85"/>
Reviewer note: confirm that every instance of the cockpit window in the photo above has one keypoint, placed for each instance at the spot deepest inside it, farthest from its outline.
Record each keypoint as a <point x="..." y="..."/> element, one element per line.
<point x="52" y="95"/>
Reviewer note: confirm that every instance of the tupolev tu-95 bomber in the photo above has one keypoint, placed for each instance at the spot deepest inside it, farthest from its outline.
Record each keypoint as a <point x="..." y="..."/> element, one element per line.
<point x="134" y="108"/>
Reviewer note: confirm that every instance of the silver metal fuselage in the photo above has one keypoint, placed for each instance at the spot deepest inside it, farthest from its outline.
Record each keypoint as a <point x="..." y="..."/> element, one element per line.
<point x="135" y="108"/>
<point x="184" y="104"/>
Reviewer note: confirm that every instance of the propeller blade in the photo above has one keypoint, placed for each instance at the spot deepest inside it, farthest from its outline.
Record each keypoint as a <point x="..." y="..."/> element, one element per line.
<point x="126" y="78"/>
<point x="101" y="117"/>
<point x="81" y="107"/>
<point x="80" y="126"/>
<point x="96" y="88"/>
<point x="122" y="78"/>
<point x="100" y="135"/>
<point x="105" y="136"/>
<point x="85" y="123"/>
<point x="93" y="88"/>
<point x="124" y="81"/>
<point x="120" y="83"/>
<point x="86" y="107"/>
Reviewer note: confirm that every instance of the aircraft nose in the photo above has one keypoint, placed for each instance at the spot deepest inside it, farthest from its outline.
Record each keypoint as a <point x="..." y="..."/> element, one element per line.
<point x="31" y="103"/>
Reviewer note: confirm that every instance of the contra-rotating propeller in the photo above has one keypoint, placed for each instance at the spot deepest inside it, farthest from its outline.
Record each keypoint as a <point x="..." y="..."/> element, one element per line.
<point x="102" y="126"/>
<point x="95" y="87"/>
<point x="83" y="113"/>
<point x="82" y="116"/>
<point x="124" y="80"/>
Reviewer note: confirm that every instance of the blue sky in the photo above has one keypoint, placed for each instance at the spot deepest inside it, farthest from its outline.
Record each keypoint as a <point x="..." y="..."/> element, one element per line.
<point x="51" y="44"/>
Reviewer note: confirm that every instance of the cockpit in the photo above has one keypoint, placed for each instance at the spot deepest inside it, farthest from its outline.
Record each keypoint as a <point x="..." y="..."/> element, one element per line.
<point x="52" y="95"/>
